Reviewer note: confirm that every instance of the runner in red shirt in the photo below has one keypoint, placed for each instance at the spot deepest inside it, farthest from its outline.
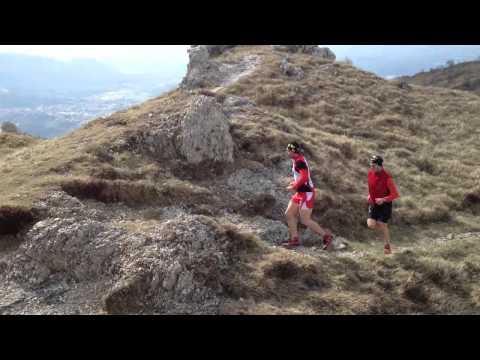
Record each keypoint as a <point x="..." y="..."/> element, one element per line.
<point x="301" y="204"/>
<point x="381" y="193"/>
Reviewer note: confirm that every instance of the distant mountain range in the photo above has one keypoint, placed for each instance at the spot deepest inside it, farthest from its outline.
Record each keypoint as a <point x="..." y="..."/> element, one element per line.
<point x="404" y="60"/>
<point x="33" y="74"/>
<point x="46" y="97"/>
<point x="30" y="75"/>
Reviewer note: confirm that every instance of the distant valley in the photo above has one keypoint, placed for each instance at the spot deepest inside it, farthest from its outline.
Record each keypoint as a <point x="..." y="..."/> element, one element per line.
<point x="48" y="98"/>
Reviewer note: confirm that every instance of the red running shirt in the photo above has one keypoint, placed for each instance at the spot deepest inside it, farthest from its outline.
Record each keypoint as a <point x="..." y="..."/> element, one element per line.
<point x="381" y="185"/>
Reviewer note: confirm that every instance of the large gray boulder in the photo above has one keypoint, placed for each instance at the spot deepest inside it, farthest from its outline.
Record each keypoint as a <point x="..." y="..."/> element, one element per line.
<point x="199" y="133"/>
<point x="205" y="133"/>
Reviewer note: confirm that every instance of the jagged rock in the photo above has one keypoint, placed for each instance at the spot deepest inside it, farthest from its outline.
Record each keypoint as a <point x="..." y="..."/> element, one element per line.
<point x="201" y="71"/>
<point x="175" y="270"/>
<point x="205" y="71"/>
<point x="199" y="68"/>
<point x="324" y="53"/>
<point x="200" y="133"/>
<point x="290" y="70"/>
<point x="205" y="133"/>
<point x="82" y="249"/>
<point x="198" y="55"/>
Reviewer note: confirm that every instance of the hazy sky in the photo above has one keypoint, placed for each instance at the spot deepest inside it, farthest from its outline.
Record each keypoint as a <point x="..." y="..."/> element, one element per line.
<point x="126" y="58"/>
<point x="385" y="60"/>
<point x="397" y="60"/>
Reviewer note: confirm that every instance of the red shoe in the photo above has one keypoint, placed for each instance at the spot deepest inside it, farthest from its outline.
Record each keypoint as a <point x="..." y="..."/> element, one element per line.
<point x="295" y="242"/>
<point x="327" y="241"/>
<point x="387" y="250"/>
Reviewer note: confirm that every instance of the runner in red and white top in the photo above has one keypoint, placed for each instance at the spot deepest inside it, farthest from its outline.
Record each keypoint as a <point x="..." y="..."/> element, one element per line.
<point x="301" y="203"/>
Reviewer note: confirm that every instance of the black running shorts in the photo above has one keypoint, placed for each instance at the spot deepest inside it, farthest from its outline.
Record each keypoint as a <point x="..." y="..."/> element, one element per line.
<point x="381" y="213"/>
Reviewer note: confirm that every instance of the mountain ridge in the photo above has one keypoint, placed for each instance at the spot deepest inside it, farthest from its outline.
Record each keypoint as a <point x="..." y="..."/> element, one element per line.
<point x="461" y="76"/>
<point x="176" y="205"/>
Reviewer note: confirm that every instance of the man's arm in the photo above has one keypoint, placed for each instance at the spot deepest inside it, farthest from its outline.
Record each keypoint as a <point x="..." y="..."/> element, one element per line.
<point x="393" y="191"/>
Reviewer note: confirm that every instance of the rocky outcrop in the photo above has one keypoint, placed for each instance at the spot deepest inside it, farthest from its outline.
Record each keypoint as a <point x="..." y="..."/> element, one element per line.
<point x="204" y="71"/>
<point x="205" y="133"/>
<point x="200" y="133"/>
<point x="176" y="268"/>
<point x="291" y="70"/>
<point x="323" y="53"/>
<point x="200" y="69"/>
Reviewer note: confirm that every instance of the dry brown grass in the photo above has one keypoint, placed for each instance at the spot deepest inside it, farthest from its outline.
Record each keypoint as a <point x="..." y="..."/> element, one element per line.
<point x="30" y="168"/>
<point x="428" y="137"/>
<point x="437" y="278"/>
<point x="429" y="140"/>
<point x="169" y="193"/>
<point x="343" y="115"/>
<point x="10" y="142"/>
<point x="463" y="76"/>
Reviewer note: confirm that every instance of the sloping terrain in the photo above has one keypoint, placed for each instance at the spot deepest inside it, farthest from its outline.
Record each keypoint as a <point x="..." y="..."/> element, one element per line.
<point x="463" y="76"/>
<point x="176" y="206"/>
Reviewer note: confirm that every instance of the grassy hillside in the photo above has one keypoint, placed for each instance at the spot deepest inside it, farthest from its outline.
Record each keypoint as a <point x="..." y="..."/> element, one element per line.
<point x="463" y="76"/>
<point x="427" y="135"/>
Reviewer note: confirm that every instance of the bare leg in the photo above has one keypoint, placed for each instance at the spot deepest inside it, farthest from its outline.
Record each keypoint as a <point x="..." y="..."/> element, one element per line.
<point x="306" y="219"/>
<point x="386" y="233"/>
<point x="382" y="228"/>
<point x="372" y="224"/>
<point x="292" y="219"/>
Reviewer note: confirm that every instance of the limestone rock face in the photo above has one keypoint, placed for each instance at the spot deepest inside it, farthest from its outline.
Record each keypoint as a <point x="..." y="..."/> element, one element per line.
<point x="175" y="269"/>
<point x="206" y="71"/>
<point x="205" y="133"/>
<point x="199" y="133"/>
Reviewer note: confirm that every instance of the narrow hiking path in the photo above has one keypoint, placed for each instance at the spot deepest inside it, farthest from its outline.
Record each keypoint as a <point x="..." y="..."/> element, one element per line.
<point x="237" y="71"/>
